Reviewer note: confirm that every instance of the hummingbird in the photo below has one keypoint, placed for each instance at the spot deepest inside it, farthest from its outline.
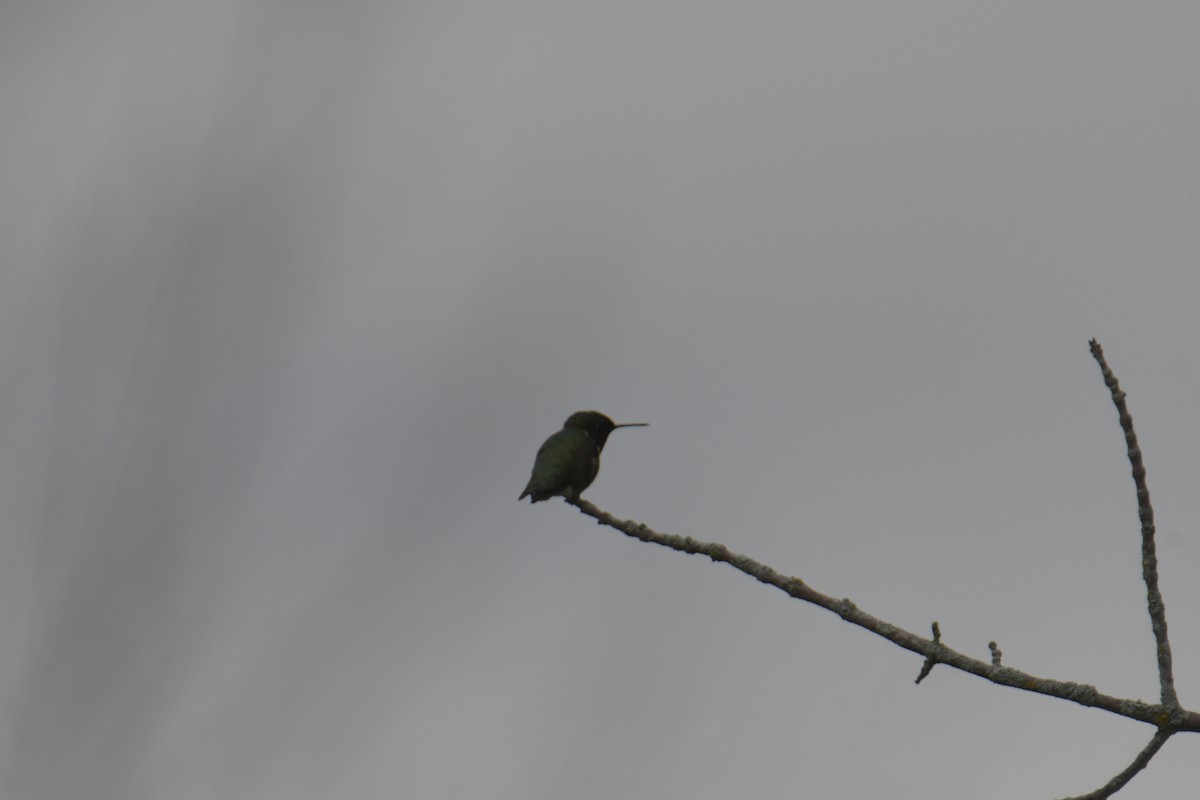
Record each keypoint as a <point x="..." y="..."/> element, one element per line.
<point x="568" y="461"/>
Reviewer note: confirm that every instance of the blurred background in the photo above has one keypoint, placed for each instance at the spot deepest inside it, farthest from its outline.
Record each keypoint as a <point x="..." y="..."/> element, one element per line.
<point x="292" y="292"/>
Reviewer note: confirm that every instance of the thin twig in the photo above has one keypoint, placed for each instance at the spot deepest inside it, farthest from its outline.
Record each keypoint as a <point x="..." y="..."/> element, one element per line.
<point x="1154" y="598"/>
<point x="1124" y="776"/>
<point x="930" y="661"/>
<point x="1160" y="716"/>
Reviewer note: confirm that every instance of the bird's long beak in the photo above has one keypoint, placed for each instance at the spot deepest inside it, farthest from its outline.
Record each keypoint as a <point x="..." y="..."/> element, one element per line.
<point x="632" y="425"/>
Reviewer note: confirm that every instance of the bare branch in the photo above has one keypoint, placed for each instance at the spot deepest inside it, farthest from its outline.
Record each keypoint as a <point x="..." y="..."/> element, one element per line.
<point x="1168" y="716"/>
<point x="1160" y="716"/>
<point x="1124" y="776"/>
<point x="1154" y="599"/>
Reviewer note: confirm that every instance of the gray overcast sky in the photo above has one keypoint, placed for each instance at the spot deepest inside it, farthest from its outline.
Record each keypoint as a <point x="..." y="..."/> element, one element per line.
<point x="292" y="292"/>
